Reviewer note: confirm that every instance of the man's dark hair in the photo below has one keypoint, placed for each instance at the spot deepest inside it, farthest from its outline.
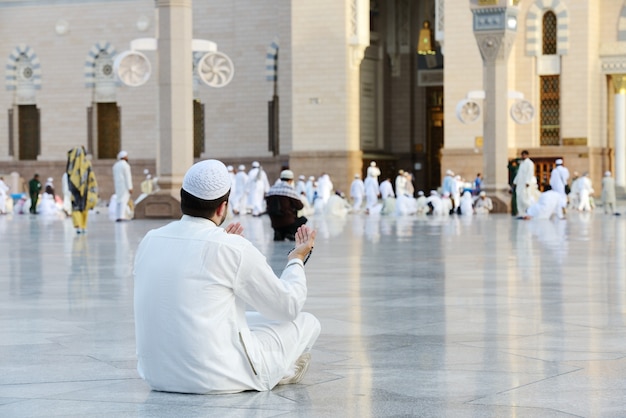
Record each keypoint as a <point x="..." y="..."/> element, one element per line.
<point x="194" y="206"/>
<point x="524" y="152"/>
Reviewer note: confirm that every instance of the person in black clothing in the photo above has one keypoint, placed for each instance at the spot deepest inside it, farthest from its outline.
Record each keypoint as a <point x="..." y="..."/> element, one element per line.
<point x="34" y="187"/>
<point x="283" y="205"/>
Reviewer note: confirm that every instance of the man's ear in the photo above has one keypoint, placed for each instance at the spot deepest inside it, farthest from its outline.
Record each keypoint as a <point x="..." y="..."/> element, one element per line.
<point x="222" y="208"/>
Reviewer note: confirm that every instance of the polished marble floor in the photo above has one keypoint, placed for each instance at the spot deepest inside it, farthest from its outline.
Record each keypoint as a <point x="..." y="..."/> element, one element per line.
<point x="452" y="317"/>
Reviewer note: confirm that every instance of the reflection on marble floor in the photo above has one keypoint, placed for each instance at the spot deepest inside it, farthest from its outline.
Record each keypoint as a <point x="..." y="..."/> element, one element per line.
<point x="456" y="316"/>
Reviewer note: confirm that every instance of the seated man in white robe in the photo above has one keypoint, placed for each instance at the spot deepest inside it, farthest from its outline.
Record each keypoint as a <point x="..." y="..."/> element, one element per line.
<point x="483" y="204"/>
<point x="421" y="203"/>
<point x="550" y="204"/>
<point x="435" y="204"/>
<point x="193" y="281"/>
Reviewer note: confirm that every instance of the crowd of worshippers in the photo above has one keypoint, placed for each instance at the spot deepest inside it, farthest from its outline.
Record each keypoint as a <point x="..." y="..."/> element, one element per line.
<point x="559" y="195"/>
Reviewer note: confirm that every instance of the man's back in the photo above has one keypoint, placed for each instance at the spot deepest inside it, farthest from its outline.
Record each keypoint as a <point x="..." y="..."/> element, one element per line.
<point x="192" y="284"/>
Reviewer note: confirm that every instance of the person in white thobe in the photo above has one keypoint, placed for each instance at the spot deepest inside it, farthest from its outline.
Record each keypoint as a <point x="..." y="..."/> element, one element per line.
<point x="324" y="187"/>
<point x="522" y="181"/>
<point x="549" y="205"/>
<point x="257" y="186"/>
<point x="301" y="185"/>
<point x="371" y="193"/>
<point x="373" y="171"/>
<point x="239" y="194"/>
<point x="483" y="204"/>
<point x="435" y="204"/>
<point x="559" y="177"/>
<point x="123" y="182"/>
<point x="585" y="190"/>
<point x="608" y="193"/>
<point x="3" y="196"/>
<point x="310" y="189"/>
<point x="192" y="283"/>
<point x="421" y="203"/>
<point x="401" y="183"/>
<point x="357" y="191"/>
<point x="466" y="204"/>
<point x="386" y="189"/>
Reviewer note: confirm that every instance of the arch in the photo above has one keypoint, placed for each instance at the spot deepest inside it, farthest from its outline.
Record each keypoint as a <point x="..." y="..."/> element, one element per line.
<point x="534" y="26"/>
<point x="621" y="24"/>
<point x="271" y="61"/>
<point x="22" y="52"/>
<point x="90" y="61"/>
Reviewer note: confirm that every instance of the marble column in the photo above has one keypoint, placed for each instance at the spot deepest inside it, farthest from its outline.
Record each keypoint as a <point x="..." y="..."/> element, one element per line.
<point x="175" y="142"/>
<point x="619" y="83"/>
<point x="495" y="27"/>
<point x="175" y="150"/>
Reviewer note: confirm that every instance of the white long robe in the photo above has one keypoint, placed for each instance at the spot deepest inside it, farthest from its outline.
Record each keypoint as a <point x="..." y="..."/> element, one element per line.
<point x="239" y="199"/>
<point x="371" y="192"/>
<point x="386" y="190"/>
<point x="585" y="189"/>
<point x="466" y="204"/>
<point x="192" y="284"/>
<point x="523" y="178"/>
<point x="3" y="196"/>
<point x="357" y="191"/>
<point x="608" y="194"/>
<point x="123" y="182"/>
<point x="558" y="179"/>
<point x="549" y="204"/>
<point x="257" y="186"/>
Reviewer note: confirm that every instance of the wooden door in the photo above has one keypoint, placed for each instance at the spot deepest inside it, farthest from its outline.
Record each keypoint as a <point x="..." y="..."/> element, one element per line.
<point x="109" y="132"/>
<point x="198" y="128"/>
<point x="29" y="134"/>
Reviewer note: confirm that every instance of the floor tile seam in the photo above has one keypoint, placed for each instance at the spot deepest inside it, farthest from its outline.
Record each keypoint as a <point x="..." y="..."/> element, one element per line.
<point x="56" y="382"/>
<point x="523" y="407"/>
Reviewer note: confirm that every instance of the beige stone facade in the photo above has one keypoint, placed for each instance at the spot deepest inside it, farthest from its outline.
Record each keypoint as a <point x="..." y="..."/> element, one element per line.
<point x="352" y="88"/>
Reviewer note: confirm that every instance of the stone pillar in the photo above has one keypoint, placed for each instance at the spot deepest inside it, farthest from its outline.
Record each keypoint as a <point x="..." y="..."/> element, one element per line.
<point x="175" y="143"/>
<point x="495" y="27"/>
<point x="325" y="72"/>
<point x="619" y="83"/>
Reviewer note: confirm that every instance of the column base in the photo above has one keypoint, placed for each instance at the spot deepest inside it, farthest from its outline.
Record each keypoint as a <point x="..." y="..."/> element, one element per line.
<point x="160" y="205"/>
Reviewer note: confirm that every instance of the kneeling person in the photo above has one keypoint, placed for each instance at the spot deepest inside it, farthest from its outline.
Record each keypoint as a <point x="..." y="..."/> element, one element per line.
<point x="193" y="281"/>
<point x="283" y="204"/>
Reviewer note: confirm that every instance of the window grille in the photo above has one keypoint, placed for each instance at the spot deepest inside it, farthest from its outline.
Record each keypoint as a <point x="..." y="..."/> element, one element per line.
<point x="550" y="114"/>
<point x="549" y="33"/>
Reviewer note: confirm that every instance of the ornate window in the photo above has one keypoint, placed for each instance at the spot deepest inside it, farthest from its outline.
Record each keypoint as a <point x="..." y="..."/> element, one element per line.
<point x="550" y="110"/>
<point x="549" y="33"/>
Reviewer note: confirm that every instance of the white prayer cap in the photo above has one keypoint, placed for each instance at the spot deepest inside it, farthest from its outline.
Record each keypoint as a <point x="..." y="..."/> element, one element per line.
<point x="607" y="174"/>
<point x="122" y="154"/>
<point x="207" y="180"/>
<point x="148" y="176"/>
<point x="241" y="167"/>
<point x="49" y="180"/>
<point x="146" y="171"/>
<point x="434" y="193"/>
<point x="312" y="178"/>
<point x="229" y="168"/>
<point x="420" y="193"/>
<point x="357" y="176"/>
<point x="286" y="174"/>
<point x="373" y="164"/>
<point x="255" y="164"/>
<point x="483" y="193"/>
<point x="559" y="162"/>
<point x="449" y="172"/>
<point x="301" y="177"/>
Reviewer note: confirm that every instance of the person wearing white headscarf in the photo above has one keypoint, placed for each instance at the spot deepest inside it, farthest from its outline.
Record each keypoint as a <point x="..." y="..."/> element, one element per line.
<point x="373" y="171"/>
<point x="608" y="193"/>
<point x="549" y="205"/>
<point x="559" y="177"/>
<point x="447" y="204"/>
<point x="192" y="283"/>
<point x="48" y="206"/>
<point x="585" y="190"/>
<point x="324" y="187"/>
<point x="401" y="182"/>
<point x="357" y="191"/>
<point x="123" y="182"/>
<point x="301" y="185"/>
<point x="466" y="204"/>
<point x="257" y="186"/>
